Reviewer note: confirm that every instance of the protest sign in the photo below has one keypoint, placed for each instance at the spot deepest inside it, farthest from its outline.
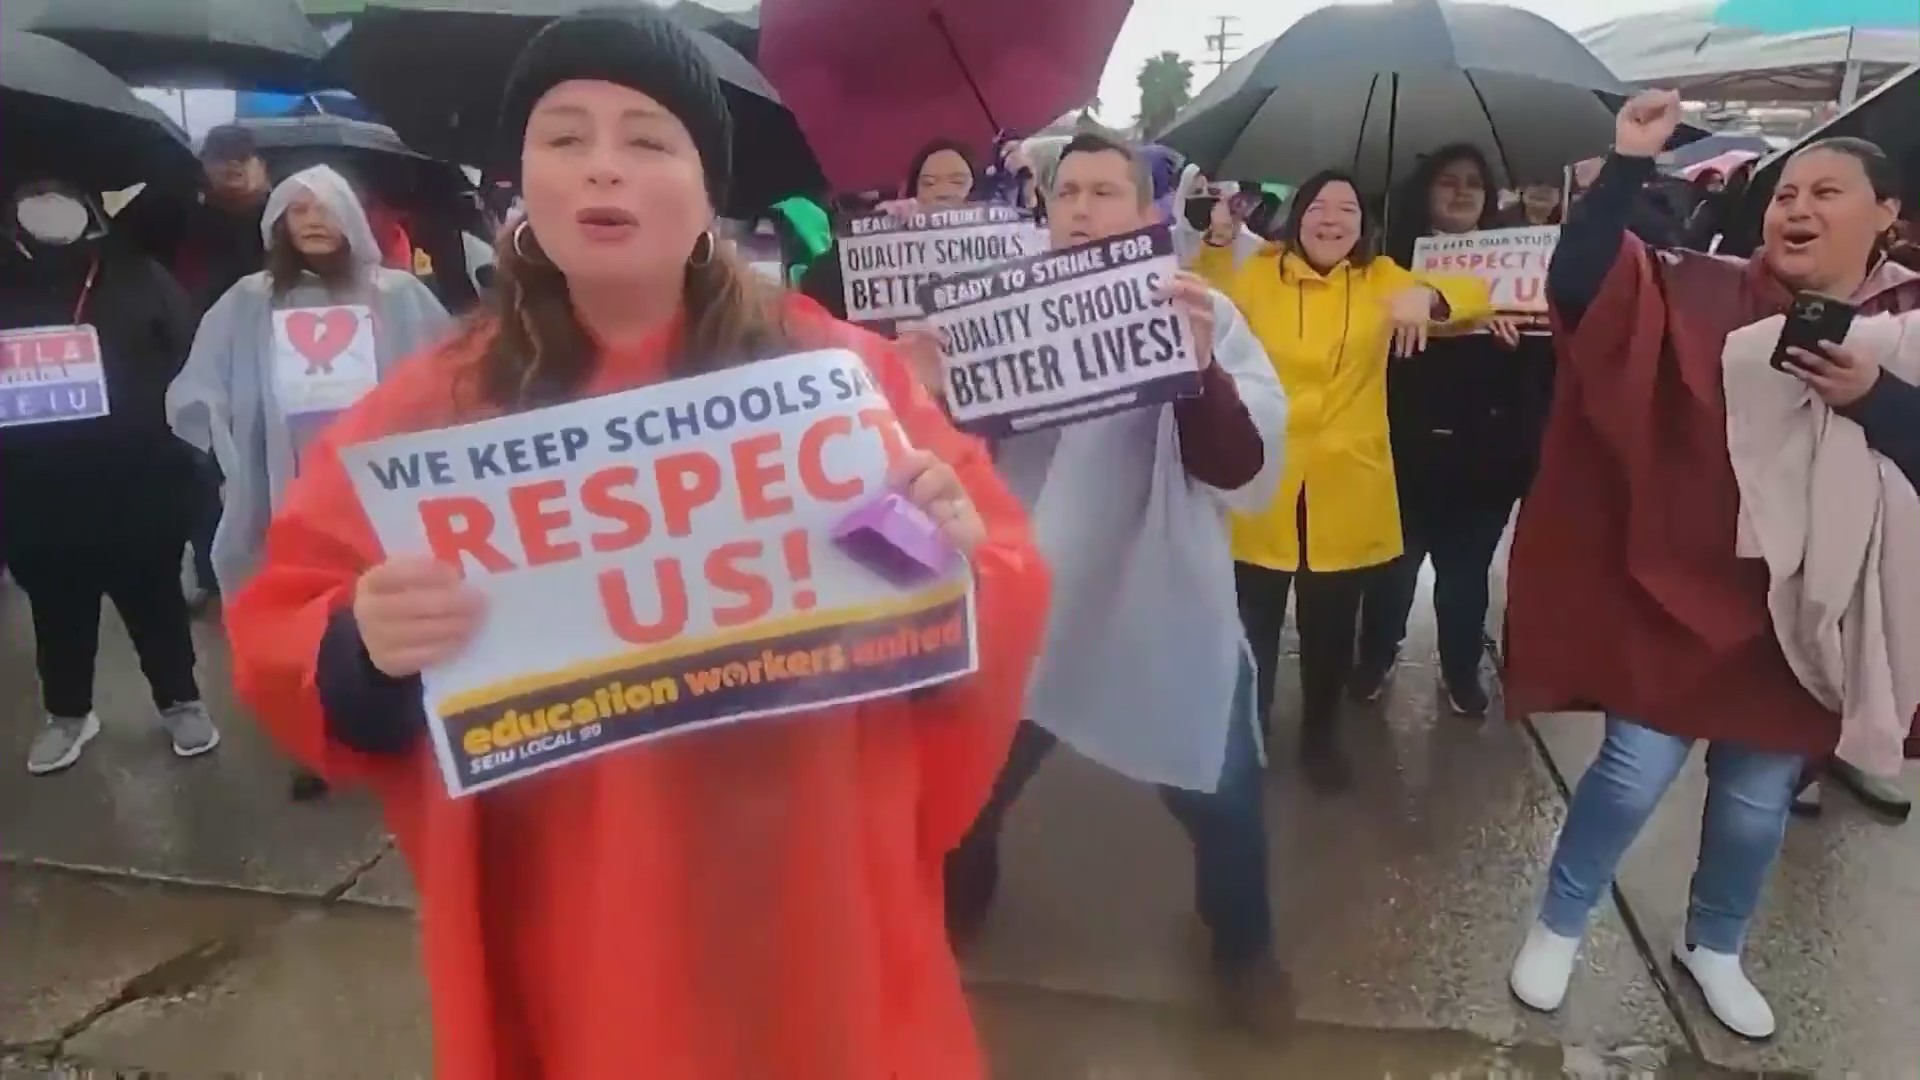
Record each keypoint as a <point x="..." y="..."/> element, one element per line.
<point x="659" y="561"/>
<point x="1063" y="337"/>
<point x="1513" y="263"/>
<point x="884" y="260"/>
<point x="324" y="359"/>
<point x="49" y="374"/>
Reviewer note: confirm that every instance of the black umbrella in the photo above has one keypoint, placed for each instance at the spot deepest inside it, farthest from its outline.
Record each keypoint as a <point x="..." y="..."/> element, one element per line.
<point x="1372" y="88"/>
<point x="370" y="154"/>
<point x="737" y="25"/>
<point x="65" y="117"/>
<point x="1712" y="146"/>
<point x="1888" y="117"/>
<point x="436" y="70"/>
<point x="243" y="44"/>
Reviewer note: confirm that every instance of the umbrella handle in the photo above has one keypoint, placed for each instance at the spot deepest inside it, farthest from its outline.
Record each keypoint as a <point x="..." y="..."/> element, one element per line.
<point x="939" y="21"/>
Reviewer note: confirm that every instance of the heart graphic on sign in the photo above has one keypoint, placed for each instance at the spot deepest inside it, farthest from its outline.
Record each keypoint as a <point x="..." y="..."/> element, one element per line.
<point x="321" y="336"/>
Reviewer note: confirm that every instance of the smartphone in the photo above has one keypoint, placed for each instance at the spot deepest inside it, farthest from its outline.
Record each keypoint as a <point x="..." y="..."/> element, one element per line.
<point x="1812" y="320"/>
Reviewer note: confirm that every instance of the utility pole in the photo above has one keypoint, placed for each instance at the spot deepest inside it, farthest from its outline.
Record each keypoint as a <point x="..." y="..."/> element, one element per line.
<point x="1222" y="40"/>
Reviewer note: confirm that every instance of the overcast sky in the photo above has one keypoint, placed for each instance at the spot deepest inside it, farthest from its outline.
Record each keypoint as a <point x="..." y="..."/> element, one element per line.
<point x="1154" y="26"/>
<point x="1182" y="25"/>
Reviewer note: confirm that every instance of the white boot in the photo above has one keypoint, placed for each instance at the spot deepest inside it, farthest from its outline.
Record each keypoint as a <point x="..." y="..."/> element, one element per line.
<point x="1544" y="968"/>
<point x="1735" y="1001"/>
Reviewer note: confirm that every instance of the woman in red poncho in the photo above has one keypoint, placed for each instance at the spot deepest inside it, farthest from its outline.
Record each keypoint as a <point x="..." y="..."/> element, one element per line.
<point x="1626" y="594"/>
<point x="741" y="903"/>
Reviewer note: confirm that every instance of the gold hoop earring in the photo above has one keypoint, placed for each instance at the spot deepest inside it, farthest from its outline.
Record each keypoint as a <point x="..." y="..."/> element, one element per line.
<point x="704" y="249"/>
<point x="519" y="232"/>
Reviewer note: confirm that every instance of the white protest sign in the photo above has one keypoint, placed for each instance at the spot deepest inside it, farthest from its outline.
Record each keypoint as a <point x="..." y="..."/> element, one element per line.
<point x="324" y="359"/>
<point x="1065" y="336"/>
<point x="49" y="374"/>
<point x="1513" y="263"/>
<point x="884" y="260"/>
<point x="660" y="561"/>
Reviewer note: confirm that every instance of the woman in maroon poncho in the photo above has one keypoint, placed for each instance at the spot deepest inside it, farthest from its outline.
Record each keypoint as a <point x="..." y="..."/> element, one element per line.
<point x="1626" y="592"/>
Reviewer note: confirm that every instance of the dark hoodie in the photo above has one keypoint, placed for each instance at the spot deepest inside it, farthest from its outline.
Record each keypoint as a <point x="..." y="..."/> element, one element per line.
<point x="1466" y="415"/>
<point x="221" y="245"/>
<point x="80" y="480"/>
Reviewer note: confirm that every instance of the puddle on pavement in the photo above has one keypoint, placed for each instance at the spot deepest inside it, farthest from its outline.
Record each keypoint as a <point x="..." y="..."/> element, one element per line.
<point x="1039" y="1035"/>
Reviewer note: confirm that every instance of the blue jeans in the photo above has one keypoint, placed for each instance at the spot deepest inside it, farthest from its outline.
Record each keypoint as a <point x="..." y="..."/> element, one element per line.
<point x="1748" y="797"/>
<point x="207" y="511"/>
<point x="1228" y="829"/>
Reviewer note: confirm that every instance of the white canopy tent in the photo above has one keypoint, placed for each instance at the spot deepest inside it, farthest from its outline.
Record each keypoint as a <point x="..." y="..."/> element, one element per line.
<point x="1686" y="50"/>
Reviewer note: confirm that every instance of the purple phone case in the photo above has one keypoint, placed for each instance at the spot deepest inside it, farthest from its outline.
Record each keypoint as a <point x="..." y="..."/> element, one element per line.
<point x="895" y="539"/>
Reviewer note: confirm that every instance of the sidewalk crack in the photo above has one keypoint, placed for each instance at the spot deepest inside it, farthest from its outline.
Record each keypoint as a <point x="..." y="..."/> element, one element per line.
<point x="335" y="894"/>
<point x="1642" y="943"/>
<point x="177" y="976"/>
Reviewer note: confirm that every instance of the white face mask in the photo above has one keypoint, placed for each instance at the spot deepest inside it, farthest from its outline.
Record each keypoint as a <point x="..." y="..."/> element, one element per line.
<point x="52" y="218"/>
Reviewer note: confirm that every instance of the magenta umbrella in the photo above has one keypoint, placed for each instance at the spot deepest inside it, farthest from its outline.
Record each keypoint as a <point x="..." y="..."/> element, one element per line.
<point x="871" y="81"/>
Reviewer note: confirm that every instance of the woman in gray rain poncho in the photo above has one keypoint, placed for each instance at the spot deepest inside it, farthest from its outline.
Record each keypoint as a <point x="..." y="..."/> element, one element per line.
<point x="287" y="349"/>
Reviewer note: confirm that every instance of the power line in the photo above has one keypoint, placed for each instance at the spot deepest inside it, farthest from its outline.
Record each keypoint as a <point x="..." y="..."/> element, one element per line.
<point x="1222" y="40"/>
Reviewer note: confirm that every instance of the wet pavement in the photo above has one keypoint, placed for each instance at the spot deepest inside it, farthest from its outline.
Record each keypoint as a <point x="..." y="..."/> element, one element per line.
<point x="186" y="918"/>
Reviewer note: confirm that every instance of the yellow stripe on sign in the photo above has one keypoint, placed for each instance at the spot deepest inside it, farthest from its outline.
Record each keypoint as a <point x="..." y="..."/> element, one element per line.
<point x="772" y="629"/>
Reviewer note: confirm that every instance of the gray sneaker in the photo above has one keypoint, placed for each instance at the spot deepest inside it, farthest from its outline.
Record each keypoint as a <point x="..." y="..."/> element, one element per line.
<point x="59" y="744"/>
<point x="191" y="728"/>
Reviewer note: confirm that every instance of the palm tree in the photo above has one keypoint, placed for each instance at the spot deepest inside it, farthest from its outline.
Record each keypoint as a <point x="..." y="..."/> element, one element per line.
<point x="1166" y="85"/>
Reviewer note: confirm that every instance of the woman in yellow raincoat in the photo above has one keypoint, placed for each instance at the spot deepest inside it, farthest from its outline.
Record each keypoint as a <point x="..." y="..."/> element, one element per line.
<point x="1329" y="312"/>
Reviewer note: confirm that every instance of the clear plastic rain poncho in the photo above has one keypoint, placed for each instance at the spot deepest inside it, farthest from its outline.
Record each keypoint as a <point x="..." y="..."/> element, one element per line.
<point x="1144" y="645"/>
<point x="224" y="400"/>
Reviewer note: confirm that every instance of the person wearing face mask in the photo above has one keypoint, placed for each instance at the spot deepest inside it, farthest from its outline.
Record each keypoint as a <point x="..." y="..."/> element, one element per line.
<point x="1132" y="512"/>
<point x="228" y="400"/>
<point x="749" y="900"/>
<point x="1626" y="590"/>
<point x="1329" y="313"/>
<point x="1216" y="214"/>
<point x="1465" y="419"/>
<point x="99" y="506"/>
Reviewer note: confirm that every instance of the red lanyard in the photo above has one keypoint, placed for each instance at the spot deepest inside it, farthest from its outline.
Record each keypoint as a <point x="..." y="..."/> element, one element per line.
<point x="86" y="290"/>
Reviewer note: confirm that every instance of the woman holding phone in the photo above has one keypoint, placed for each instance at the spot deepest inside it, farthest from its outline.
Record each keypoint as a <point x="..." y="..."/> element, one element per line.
<point x="1626" y="593"/>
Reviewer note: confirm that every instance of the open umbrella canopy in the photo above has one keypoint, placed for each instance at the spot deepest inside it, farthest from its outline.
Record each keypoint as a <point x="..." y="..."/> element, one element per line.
<point x="1714" y="146"/>
<point x="436" y="70"/>
<point x="65" y="117"/>
<point x="735" y="22"/>
<point x="1889" y="117"/>
<point x="1373" y="88"/>
<point x="242" y="44"/>
<point x="872" y="81"/>
<point x="371" y="154"/>
<point x="1792" y="16"/>
<point x="1688" y="50"/>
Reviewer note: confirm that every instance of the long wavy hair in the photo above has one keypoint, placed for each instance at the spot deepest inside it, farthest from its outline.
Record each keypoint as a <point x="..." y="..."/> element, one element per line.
<point x="536" y="352"/>
<point x="1413" y="211"/>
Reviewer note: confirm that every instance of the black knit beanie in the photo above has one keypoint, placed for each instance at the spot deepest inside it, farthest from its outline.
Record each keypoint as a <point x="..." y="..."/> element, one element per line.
<point x="637" y="47"/>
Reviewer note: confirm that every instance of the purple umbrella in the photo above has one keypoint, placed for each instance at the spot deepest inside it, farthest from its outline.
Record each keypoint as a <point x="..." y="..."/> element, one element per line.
<point x="872" y="80"/>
